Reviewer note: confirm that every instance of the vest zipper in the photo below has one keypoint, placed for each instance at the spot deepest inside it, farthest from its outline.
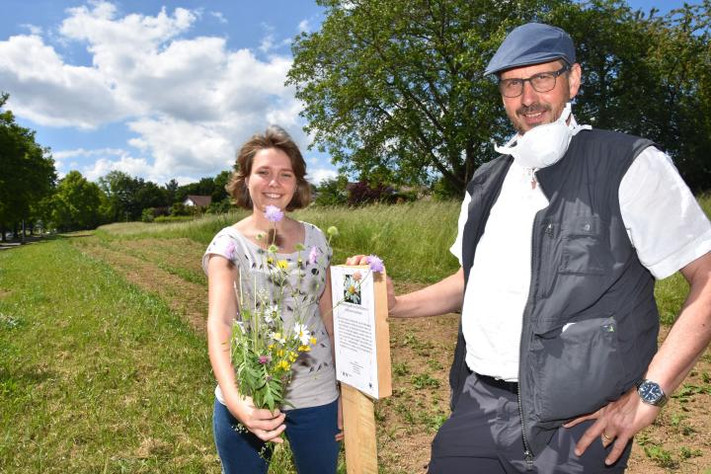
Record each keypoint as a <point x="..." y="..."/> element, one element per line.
<point x="527" y="452"/>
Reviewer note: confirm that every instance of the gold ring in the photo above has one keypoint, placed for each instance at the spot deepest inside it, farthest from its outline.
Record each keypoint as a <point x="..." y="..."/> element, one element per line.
<point x="605" y="437"/>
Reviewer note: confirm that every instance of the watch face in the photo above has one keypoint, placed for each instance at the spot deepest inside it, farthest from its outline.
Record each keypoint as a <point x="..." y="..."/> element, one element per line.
<point x="650" y="392"/>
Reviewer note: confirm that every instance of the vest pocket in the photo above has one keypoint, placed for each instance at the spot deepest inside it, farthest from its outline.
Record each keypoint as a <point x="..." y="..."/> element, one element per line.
<point x="575" y="368"/>
<point x="585" y="249"/>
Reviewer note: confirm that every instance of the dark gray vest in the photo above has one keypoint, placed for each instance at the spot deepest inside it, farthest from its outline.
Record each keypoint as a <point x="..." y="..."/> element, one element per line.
<point x="590" y="324"/>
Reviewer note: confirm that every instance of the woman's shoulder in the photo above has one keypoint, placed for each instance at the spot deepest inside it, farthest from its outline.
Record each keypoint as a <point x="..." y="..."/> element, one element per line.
<point x="313" y="231"/>
<point x="225" y="241"/>
<point x="229" y="232"/>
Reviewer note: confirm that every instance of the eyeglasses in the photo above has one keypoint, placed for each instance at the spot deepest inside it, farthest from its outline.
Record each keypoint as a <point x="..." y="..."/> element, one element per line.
<point x="542" y="82"/>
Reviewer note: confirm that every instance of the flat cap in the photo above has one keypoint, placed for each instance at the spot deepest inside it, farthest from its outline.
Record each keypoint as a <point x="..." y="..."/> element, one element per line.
<point x="532" y="43"/>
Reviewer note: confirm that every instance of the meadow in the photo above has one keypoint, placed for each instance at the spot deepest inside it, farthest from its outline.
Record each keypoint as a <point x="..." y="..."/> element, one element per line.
<point x="104" y="368"/>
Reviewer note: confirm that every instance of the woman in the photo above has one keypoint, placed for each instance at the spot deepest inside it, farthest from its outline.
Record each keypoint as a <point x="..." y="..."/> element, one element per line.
<point x="271" y="172"/>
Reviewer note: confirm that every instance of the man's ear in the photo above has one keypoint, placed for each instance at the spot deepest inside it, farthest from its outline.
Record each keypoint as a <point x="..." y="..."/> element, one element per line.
<point x="574" y="77"/>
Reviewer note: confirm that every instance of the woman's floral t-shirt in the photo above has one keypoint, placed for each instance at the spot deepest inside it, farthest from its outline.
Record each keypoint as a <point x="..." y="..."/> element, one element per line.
<point x="314" y="377"/>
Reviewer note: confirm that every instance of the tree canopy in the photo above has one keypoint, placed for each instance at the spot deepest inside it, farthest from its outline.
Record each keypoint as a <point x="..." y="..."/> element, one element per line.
<point x="394" y="90"/>
<point x="77" y="203"/>
<point x="27" y="173"/>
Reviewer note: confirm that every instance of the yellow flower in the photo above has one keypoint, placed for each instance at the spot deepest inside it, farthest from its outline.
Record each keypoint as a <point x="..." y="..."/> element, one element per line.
<point x="312" y="340"/>
<point x="280" y="353"/>
<point x="304" y="348"/>
<point x="282" y="264"/>
<point x="284" y="365"/>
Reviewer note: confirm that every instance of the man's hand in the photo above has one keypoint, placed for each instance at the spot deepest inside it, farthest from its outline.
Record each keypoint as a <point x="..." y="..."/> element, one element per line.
<point x="616" y="423"/>
<point x="363" y="260"/>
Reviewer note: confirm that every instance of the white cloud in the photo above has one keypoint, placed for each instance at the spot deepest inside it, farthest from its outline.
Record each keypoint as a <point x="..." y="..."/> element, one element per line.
<point x="304" y="26"/>
<point x="33" y="29"/>
<point x="49" y="92"/>
<point x="267" y="43"/>
<point x="181" y="146"/>
<point x="219" y="17"/>
<point x="320" y="175"/>
<point x="190" y="101"/>
<point x="129" y="165"/>
<point x="83" y="153"/>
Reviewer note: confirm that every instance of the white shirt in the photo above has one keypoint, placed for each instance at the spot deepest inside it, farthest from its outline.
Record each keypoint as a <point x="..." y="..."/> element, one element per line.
<point x="664" y="221"/>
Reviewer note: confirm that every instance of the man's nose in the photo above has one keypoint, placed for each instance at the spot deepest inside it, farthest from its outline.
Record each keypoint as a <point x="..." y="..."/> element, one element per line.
<point x="529" y="94"/>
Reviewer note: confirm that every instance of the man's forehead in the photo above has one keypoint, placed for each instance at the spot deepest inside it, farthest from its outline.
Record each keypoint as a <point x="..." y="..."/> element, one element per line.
<point x="527" y="71"/>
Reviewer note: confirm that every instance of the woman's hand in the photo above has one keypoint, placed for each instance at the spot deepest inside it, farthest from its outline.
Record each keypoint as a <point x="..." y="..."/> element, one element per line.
<point x="264" y="424"/>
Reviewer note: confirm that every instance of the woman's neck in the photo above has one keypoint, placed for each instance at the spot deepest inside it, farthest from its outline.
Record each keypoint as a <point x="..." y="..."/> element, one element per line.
<point x="284" y="234"/>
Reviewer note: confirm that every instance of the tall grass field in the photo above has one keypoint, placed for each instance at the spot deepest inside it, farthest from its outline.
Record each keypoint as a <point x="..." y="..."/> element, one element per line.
<point x="103" y="357"/>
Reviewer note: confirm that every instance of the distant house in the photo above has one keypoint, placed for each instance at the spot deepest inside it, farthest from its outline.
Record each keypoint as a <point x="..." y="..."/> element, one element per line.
<point x="197" y="201"/>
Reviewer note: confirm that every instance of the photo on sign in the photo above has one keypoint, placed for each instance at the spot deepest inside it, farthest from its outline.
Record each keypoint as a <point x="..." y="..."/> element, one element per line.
<point x="352" y="288"/>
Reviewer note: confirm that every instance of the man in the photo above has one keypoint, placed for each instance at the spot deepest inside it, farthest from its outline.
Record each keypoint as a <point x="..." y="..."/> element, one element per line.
<point x="560" y="240"/>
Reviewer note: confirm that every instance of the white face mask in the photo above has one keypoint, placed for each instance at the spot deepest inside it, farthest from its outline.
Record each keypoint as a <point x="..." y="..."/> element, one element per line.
<point x="542" y="145"/>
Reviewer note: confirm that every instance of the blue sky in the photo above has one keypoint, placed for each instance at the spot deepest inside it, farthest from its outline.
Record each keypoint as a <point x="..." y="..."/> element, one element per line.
<point x="159" y="89"/>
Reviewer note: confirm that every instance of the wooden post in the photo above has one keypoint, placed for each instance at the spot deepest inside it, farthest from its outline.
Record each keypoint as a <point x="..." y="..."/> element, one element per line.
<point x="359" y="408"/>
<point x="359" y="431"/>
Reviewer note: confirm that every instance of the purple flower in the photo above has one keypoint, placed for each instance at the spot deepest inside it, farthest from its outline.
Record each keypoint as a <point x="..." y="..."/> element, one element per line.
<point x="273" y="213"/>
<point x="230" y="250"/>
<point x="375" y="263"/>
<point x="313" y="255"/>
<point x="264" y="359"/>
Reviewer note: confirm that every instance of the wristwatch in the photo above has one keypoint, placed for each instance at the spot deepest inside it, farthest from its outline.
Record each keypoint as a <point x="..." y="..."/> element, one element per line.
<point x="651" y="393"/>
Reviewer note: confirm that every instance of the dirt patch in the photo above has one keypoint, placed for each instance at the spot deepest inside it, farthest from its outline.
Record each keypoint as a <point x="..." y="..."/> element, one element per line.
<point x="187" y="298"/>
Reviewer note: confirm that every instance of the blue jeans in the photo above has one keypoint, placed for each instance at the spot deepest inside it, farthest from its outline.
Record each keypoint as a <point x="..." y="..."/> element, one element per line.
<point x="311" y="433"/>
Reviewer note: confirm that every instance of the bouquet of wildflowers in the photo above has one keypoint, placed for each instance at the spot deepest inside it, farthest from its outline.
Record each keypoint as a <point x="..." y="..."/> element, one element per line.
<point x="263" y="348"/>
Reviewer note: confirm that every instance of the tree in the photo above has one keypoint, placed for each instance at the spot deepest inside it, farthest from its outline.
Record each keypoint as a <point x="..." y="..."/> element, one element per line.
<point x="332" y="192"/>
<point x="649" y="76"/>
<point x="394" y="90"/>
<point x="204" y="187"/>
<point x="27" y="173"/>
<point x="171" y="188"/>
<point x="219" y="193"/>
<point x="681" y="59"/>
<point x="128" y="196"/>
<point x="77" y="203"/>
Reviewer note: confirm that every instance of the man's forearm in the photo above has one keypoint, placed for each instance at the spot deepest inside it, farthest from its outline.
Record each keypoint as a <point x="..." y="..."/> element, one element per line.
<point x="691" y="333"/>
<point x="442" y="297"/>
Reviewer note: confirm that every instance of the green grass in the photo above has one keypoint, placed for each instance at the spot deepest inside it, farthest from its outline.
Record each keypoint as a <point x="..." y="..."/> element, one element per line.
<point x="96" y="375"/>
<point x="413" y="239"/>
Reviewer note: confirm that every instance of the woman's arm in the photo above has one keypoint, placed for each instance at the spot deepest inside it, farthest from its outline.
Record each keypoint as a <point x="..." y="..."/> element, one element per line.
<point x="222" y="275"/>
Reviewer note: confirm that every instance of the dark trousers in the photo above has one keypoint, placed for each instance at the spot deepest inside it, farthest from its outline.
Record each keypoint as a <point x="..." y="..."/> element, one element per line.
<point x="311" y="433"/>
<point x="483" y="435"/>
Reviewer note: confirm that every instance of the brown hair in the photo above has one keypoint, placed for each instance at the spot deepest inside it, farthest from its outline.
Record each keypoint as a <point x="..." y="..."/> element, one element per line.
<point x="273" y="137"/>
